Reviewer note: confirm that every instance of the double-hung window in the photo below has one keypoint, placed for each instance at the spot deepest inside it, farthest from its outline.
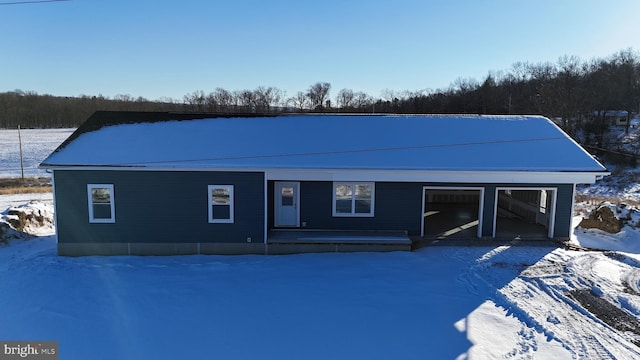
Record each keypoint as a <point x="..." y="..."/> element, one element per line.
<point x="220" y="203"/>
<point x="101" y="203"/>
<point x="353" y="198"/>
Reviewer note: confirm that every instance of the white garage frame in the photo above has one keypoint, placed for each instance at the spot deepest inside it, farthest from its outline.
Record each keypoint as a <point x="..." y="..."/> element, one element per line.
<point x="480" y="204"/>
<point x="552" y="214"/>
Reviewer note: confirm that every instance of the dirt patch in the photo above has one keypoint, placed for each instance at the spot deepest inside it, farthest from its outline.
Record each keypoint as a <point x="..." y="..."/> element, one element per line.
<point x="544" y="268"/>
<point x="33" y="218"/>
<point x="7" y="233"/>
<point x="604" y="219"/>
<point x="607" y="312"/>
<point x="28" y="181"/>
<point x="20" y="219"/>
<point x="26" y="190"/>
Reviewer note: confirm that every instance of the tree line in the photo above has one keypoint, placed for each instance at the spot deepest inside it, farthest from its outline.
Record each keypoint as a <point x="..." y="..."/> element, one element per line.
<point x="570" y="90"/>
<point x="576" y="93"/>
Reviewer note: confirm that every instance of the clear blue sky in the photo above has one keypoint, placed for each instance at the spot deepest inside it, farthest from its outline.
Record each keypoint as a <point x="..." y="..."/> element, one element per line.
<point x="171" y="48"/>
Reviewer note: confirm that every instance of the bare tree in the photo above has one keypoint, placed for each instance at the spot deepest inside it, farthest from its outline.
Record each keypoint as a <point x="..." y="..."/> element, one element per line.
<point x="465" y="85"/>
<point x="299" y="101"/>
<point x="627" y="77"/>
<point x="344" y="98"/>
<point x="224" y="99"/>
<point x="388" y="95"/>
<point x="542" y="77"/>
<point x="361" y="100"/>
<point x="195" y="100"/>
<point x="247" y="100"/>
<point x="318" y="94"/>
<point x="210" y="103"/>
<point x="267" y="97"/>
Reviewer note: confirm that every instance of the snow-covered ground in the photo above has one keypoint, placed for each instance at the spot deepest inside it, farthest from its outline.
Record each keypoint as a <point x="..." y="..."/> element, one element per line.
<point x="7" y="201"/>
<point x="440" y="302"/>
<point x="37" y="144"/>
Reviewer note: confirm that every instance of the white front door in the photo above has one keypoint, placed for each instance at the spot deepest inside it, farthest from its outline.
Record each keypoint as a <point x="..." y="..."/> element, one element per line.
<point x="287" y="199"/>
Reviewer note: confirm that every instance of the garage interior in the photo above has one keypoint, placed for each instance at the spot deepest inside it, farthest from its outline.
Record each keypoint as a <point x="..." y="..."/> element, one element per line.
<point x="451" y="213"/>
<point x="524" y="214"/>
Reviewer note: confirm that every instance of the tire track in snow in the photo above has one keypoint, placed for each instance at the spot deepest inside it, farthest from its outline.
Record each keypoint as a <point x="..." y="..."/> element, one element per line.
<point x="626" y="279"/>
<point x="591" y="335"/>
<point x="632" y="280"/>
<point x="537" y="297"/>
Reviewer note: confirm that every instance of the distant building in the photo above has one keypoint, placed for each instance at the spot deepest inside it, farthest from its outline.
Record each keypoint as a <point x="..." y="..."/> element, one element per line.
<point x="166" y="183"/>
<point x="611" y="117"/>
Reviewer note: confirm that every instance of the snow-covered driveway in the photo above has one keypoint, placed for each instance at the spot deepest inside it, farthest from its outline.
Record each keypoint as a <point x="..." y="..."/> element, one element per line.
<point x="542" y="298"/>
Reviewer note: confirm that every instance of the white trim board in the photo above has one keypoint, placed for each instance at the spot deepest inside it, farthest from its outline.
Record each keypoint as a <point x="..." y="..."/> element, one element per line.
<point x="55" y="206"/>
<point x="462" y="177"/>
<point x="399" y="175"/>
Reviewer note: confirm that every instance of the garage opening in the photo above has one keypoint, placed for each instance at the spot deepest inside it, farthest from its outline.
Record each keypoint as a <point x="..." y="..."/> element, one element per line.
<point x="452" y="213"/>
<point x="524" y="213"/>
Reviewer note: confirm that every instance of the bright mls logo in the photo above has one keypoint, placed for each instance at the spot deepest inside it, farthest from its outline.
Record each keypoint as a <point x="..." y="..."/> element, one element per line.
<point x="32" y="350"/>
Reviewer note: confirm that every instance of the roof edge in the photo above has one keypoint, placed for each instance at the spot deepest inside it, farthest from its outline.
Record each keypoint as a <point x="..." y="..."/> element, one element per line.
<point x="452" y="176"/>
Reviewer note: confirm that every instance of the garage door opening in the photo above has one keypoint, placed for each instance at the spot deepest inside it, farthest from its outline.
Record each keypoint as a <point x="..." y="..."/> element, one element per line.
<point x="524" y="213"/>
<point x="452" y="213"/>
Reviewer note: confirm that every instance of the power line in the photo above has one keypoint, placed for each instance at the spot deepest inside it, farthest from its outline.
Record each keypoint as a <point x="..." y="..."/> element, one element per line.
<point x="30" y="2"/>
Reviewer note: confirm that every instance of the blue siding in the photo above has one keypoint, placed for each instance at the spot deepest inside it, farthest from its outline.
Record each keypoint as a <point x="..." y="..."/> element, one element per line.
<point x="159" y="207"/>
<point x="564" y="211"/>
<point x="398" y="206"/>
<point x="171" y="207"/>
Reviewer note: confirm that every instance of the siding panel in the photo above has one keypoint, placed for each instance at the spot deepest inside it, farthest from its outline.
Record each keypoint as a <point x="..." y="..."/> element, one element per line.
<point x="564" y="212"/>
<point x="159" y="207"/>
<point x="398" y="206"/>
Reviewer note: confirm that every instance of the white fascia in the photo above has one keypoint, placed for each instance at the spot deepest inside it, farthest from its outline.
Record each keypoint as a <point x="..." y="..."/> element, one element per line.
<point x="400" y="175"/>
<point x="470" y="177"/>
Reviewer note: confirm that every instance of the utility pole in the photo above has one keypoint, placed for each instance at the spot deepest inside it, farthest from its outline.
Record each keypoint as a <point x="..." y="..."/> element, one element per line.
<point x="21" y="159"/>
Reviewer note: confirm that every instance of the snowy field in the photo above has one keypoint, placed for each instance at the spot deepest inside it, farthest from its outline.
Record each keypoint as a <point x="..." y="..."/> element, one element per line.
<point x="37" y="144"/>
<point x="435" y="303"/>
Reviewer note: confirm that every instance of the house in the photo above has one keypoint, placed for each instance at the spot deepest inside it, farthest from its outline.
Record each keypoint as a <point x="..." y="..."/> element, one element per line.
<point x="165" y="183"/>
<point x="611" y="117"/>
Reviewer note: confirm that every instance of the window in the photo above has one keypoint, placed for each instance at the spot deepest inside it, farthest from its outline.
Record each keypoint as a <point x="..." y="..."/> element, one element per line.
<point x="353" y="199"/>
<point x="221" y="203"/>
<point x="543" y="201"/>
<point x="101" y="203"/>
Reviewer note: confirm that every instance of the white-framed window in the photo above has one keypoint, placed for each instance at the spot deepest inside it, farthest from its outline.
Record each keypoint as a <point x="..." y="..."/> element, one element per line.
<point x="353" y="198"/>
<point x="220" y="203"/>
<point x="102" y="208"/>
<point x="543" y="201"/>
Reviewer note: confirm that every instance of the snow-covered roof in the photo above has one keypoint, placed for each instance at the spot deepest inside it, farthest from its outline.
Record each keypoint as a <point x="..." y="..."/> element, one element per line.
<point x="356" y="142"/>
